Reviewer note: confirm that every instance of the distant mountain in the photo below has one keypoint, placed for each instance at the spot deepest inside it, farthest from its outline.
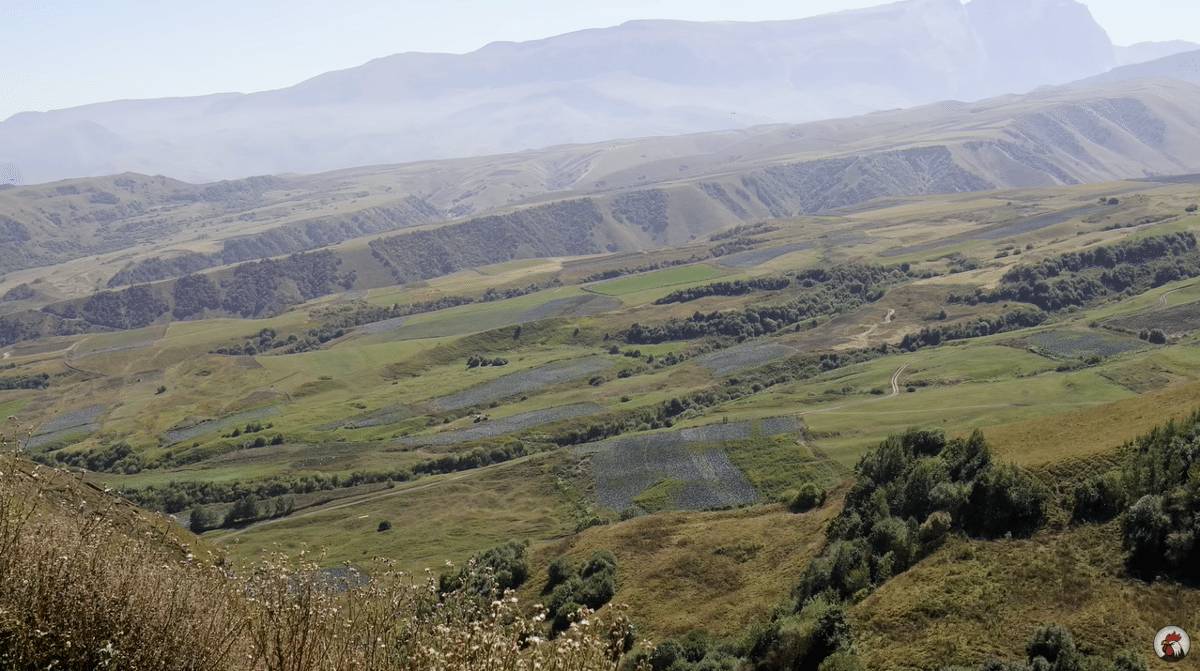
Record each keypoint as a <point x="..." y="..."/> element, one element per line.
<point x="1183" y="67"/>
<point x="1152" y="51"/>
<point x="417" y="220"/>
<point x="638" y="79"/>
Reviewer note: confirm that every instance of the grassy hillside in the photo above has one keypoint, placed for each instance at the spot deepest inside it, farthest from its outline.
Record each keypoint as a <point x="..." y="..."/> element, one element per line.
<point x="671" y="409"/>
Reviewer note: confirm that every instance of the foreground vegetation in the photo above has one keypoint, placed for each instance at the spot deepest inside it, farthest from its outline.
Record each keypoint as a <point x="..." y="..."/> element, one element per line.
<point x="86" y="585"/>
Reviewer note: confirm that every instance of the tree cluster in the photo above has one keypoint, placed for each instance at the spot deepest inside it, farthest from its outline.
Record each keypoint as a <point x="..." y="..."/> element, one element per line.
<point x="1083" y="277"/>
<point x="129" y="309"/>
<point x="267" y="340"/>
<point x="613" y="273"/>
<point x="562" y="228"/>
<point x="267" y="287"/>
<point x="361" y="312"/>
<point x="664" y="414"/>
<point x="1153" y="336"/>
<point x="1157" y="486"/>
<point x="35" y="381"/>
<point x="731" y="288"/>
<point x="908" y="494"/>
<point x="931" y="336"/>
<point x="823" y="292"/>
<point x="476" y="361"/>
<point x="114" y="458"/>
<point x="490" y="572"/>
<point x="193" y="295"/>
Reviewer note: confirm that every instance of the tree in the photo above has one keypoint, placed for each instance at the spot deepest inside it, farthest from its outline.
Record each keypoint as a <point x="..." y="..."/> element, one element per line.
<point x="1056" y="646"/>
<point x="244" y="509"/>
<point x="1145" y="534"/>
<point x="201" y="519"/>
<point x="1005" y="500"/>
<point x="1157" y="337"/>
<point x="384" y="525"/>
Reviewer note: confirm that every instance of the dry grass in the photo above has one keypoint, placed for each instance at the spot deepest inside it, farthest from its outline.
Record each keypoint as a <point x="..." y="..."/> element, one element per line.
<point x="977" y="600"/>
<point x="80" y="588"/>
<point x="1090" y="431"/>
<point x="717" y="571"/>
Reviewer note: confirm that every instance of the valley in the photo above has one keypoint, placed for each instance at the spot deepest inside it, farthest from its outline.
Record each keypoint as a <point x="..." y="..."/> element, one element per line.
<point x="862" y="341"/>
<point x="531" y="400"/>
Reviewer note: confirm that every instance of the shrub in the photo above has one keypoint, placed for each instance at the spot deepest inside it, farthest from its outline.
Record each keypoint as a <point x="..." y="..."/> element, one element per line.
<point x="803" y="640"/>
<point x="384" y="525"/>
<point x="934" y="529"/>
<point x="1052" y="648"/>
<point x="810" y="496"/>
<point x="1056" y="646"/>
<point x="1099" y="498"/>
<point x="504" y="566"/>
<point x="593" y="587"/>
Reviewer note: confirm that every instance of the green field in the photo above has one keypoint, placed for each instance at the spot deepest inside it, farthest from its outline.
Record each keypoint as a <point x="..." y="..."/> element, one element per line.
<point x="657" y="279"/>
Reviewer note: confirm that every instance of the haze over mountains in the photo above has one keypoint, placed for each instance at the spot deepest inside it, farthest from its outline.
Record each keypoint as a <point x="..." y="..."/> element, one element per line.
<point x="638" y="79"/>
<point x="75" y="237"/>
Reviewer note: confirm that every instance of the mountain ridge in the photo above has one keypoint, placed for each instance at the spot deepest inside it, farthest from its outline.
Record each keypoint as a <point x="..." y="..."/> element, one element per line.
<point x="643" y="78"/>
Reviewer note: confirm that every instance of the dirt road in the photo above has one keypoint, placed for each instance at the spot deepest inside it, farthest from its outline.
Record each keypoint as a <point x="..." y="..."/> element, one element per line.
<point x="896" y="380"/>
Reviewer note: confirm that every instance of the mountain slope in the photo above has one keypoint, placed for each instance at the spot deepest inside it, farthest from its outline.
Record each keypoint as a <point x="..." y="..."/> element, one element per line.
<point x="1152" y="51"/>
<point x="1181" y="66"/>
<point x="641" y="78"/>
<point x="642" y="194"/>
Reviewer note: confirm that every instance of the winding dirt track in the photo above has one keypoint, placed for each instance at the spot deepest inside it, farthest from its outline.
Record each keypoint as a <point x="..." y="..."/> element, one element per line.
<point x="863" y="339"/>
<point x="1162" y="300"/>
<point x="896" y="379"/>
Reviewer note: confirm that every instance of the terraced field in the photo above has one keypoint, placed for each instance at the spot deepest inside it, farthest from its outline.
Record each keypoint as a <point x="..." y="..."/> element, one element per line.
<point x="1080" y="344"/>
<point x="477" y="317"/>
<point x="193" y="431"/>
<point x="524" y="382"/>
<point x="689" y="467"/>
<point x="1175" y="321"/>
<point x="492" y="428"/>
<point x="381" y="417"/>
<point x="64" y="426"/>
<point x="743" y="357"/>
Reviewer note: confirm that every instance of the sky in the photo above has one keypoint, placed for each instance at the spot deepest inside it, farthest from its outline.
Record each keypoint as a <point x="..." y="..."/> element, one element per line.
<point x="62" y="53"/>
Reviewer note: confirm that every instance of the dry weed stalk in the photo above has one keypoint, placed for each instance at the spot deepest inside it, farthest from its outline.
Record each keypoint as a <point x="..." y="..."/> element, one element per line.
<point x="84" y="585"/>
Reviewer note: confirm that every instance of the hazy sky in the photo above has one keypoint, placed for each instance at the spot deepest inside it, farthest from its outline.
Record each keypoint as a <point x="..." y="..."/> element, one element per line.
<point x="61" y="53"/>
